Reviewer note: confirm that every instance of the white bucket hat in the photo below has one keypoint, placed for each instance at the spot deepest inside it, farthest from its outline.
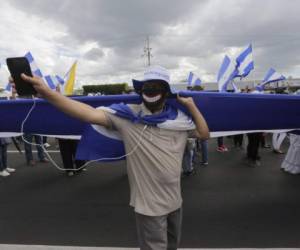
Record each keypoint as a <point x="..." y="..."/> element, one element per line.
<point x="153" y="73"/>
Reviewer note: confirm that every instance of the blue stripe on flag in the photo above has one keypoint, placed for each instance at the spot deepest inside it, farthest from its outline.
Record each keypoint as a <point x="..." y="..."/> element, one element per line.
<point x="29" y="57"/>
<point x="244" y="62"/>
<point x="8" y="87"/>
<point x="248" y="69"/>
<point x="95" y="146"/>
<point x="270" y="72"/>
<point x="38" y="73"/>
<point x="271" y="76"/>
<point x="60" y="80"/>
<point x="197" y="82"/>
<point x="50" y="82"/>
<point x="223" y="68"/>
<point x="226" y="74"/>
<point x="190" y="78"/>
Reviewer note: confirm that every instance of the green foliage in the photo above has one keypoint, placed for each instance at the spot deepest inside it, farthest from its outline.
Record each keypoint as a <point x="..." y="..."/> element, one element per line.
<point x="197" y="88"/>
<point x="106" y="89"/>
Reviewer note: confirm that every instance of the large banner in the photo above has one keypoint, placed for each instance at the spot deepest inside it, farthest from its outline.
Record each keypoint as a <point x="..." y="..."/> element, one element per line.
<point x="225" y="113"/>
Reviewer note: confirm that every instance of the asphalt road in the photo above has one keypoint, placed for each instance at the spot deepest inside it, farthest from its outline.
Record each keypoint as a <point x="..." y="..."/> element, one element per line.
<point x="226" y="204"/>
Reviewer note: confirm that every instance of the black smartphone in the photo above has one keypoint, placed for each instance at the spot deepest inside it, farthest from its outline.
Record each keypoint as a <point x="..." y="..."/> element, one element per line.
<point x="17" y="66"/>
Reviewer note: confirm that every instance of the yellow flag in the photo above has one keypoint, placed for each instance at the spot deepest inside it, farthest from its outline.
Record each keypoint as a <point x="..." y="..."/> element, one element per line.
<point x="70" y="80"/>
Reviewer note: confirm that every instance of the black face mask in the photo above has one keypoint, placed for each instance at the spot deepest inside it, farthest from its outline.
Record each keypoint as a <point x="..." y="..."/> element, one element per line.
<point x="152" y="89"/>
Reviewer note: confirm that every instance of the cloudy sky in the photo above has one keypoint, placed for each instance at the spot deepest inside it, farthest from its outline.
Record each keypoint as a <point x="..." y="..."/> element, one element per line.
<point x="107" y="37"/>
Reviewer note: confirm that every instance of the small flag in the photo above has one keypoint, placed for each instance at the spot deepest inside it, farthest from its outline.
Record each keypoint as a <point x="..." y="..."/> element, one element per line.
<point x="34" y="68"/>
<point x="68" y="85"/>
<point x="193" y="80"/>
<point x="235" y="88"/>
<point x="226" y="74"/>
<point x="8" y="88"/>
<point x="244" y="62"/>
<point x="53" y="81"/>
<point x="271" y="76"/>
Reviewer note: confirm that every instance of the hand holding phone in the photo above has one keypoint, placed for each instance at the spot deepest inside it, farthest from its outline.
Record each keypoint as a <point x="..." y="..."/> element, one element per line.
<point x="17" y="66"/>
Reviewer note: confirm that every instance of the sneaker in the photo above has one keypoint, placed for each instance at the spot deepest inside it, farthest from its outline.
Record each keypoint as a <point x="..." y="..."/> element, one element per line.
<point x="204" y="163"/>
<point x="257" y="163"/>
<point x="10" y="170"/>
<point x="45" y="160"/>
<point x="225" y="149"/>
<point x="220" y="149"/>
<point x="47" y="145"/>
<point x="31" y="163"/>
<point x="276" y="151"/>
<point x="70" y="173"/>
<point x="4" y="173"/>
<point x="188" y="173"/>
<point x="252" y="163"/>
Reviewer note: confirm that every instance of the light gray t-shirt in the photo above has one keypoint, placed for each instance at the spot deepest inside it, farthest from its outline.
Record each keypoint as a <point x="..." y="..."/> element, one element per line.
<point x="154" y="168"/>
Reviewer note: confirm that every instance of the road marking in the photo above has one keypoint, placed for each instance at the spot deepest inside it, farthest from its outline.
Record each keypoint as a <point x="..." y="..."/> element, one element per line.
<point x="41" y="247"/>
<point x="33" y="151"/>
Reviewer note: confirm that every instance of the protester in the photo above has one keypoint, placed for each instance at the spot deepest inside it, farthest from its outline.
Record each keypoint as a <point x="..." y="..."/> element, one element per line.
<point x="277" y="140"/>
<point x="188" y="158"/>
<point x="263" y="142"/>
<point x="29" y="139"/>
<point x="202" y="145"/>
<point x="4" y="170"/>
<point x="253" y="158"/>
<point x="67" y="148"/>
<point x="291" y="163"/>
<point x="154" y="167"/>
<point x="28" y="149"/>
<point x="221" y="147"/>
<point x="68" y="151"/>
<point x="238" y="141"/>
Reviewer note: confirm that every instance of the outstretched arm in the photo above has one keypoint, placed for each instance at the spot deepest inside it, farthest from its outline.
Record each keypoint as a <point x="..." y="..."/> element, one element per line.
<point x="201" y="125"/>
<point x="71" y="107"/>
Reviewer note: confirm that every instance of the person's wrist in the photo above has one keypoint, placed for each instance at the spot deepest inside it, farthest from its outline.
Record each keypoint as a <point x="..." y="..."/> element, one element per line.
<point x="190" y="104"/>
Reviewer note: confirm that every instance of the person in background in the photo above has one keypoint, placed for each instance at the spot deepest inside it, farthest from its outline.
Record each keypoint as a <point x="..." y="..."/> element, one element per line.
<point x="253" y="158"/>
<point x="221" y="147"/>
<point x="202" y="145"/>
<point x="29" y="139"/>
<point x="277" y="140"/>
<point x="263" y="142"/>
<point x="188" y="158"/>
<point x="28" y="149"/>
<point x="68" y="151"/>
<point x="291" y="162"/>
<point x="238" y="141"/>
<point x="4" y="170"/>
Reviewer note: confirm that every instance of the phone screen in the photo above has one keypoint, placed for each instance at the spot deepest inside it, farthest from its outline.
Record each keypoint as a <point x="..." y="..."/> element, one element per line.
<point x="17" y="66"/>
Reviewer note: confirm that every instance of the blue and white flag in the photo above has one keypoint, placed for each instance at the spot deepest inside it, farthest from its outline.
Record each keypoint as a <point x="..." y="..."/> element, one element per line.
<point x="8" y="88"/>
<point x="193" y="80"/>
<point x="53" y="81"/>
<point x="97" y="141"/>
<point x="226" y="74"/>
<point x="235" y="88"/>
<point x="244" y="62"/>
<point x="271" y="76"/>
<point x="34" y="68"/>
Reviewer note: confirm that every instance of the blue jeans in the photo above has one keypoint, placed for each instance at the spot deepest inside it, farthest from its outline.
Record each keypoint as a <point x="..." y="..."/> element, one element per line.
<point x="204" y="149"/>
<point x="28" y="148"/>
<point x="187" y="161"/>
<point x="3" y="156"/>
